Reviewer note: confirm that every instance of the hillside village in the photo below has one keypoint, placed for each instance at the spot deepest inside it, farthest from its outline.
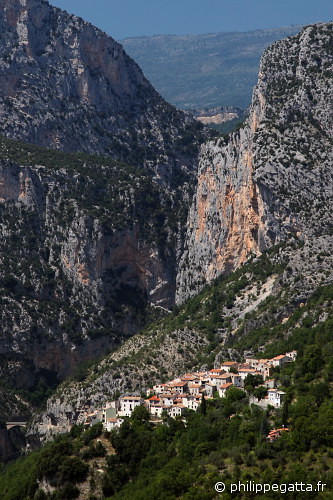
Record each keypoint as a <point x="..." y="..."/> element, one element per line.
<point x="177" y="396"/>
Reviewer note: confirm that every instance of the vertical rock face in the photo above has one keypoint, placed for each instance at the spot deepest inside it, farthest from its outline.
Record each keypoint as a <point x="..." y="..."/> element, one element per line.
<point x="66" y="85"/>
<point x="273" y="177"/>
<point x="83" y="259"/>
<point x="225" y="221"/>
<point x="88" y="246"/>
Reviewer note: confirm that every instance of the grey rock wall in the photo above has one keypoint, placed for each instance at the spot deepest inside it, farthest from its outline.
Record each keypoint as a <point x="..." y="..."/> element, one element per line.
<point x="66" y="85"/>
<point x="272" y="178"/>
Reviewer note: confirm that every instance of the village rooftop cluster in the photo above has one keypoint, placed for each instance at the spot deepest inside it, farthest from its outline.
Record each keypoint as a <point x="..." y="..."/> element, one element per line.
<point x="186" y="392"/>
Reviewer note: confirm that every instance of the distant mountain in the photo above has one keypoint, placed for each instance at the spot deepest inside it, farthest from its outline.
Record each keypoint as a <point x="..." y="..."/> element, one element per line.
<point x="197" y="71"/>
<point x="224" y="119"/>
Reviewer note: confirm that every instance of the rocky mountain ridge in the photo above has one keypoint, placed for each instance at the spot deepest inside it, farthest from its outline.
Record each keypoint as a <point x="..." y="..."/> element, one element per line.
<point x="259" y="231"/>
<point x="67" y="85"/>
<point x="82" y="263"/>
<point x="273" y="177"/>
<point x="90" y="244"/>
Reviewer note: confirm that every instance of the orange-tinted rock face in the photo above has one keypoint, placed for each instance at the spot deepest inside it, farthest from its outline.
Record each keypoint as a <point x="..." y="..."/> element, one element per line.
<point x="272" y="178"/>
<point x="239" y="213"/>
<point x="226" y="220"/>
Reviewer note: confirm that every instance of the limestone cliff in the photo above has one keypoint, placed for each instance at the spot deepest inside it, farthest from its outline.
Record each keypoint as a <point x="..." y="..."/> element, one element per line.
<point x="89" y="245"/>
<point x="273" y="177"/>
<point x="65" y="84"/>
<point x="88" y="253"/>
<point x="270" y="182"/>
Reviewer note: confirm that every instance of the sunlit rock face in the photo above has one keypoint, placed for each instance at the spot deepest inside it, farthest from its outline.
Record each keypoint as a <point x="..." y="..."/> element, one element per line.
<point x="273" y="177"/>
<point x="67" y="85"/>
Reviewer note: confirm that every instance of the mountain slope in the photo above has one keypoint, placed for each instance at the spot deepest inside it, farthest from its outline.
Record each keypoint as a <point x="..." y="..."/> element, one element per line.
<point x="197" y="71"/>
<point x="67" y="85"/>
<point x="90" y="245"/>
<point x="269" y="306"/>
<point x="273" y="300"/>
<point x="88" y="253"/>
<point x="272" y="178"/>
<point x="224" y="442"/>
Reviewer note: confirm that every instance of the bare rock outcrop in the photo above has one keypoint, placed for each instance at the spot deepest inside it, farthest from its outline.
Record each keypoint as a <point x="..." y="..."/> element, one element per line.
<point x="64" y="84"/>
<point x="89" y="246"/>
<point x="273" y="177"/>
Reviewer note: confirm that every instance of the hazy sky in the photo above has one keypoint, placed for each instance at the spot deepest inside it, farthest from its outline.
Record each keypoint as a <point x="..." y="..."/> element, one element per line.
<point x="127" y="18"/>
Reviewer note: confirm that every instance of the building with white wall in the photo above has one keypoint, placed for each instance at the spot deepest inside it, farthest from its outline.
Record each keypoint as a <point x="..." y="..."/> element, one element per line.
<point x="127" y="405"/>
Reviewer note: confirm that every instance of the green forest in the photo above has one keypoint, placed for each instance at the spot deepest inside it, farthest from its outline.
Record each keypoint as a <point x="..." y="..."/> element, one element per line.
<point x="224" y="441"/>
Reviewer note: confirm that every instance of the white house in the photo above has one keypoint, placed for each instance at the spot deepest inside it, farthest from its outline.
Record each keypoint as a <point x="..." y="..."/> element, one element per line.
<point x="265" y="370"/>
<point x="218" y="380"/>
<point x="227" y="365"/>
<point x="191" y="403"/>
<point x="176" y="411"/>
<point x="210" y="389"/>
<point x="167" y="399"/>
<point x="154" y="400"/>
<point x="215" y="371"/>
<point x="292" y="355"/>
<point x="160" y="389"/>
<point x="280" y="360"/>
<point x="244" y="372"/>
<point x="251" y="361"/>
<point x="157" y="410"/>
<point x="261" y="365"/>
<point x="223" y="389"/>
<point x="127" y="405"/>
<point x="275" y="397"/>
<point x="236" y="380"/>
<point x="179" y="387"/>
<point x="194" y="388"/>
<point x="112" y="423"/>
